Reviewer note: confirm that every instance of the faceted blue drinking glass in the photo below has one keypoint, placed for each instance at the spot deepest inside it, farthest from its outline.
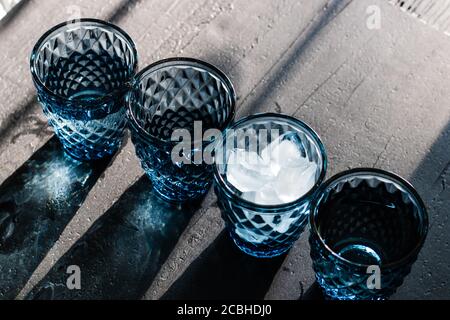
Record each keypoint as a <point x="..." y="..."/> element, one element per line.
<point x="367" y="228"/>
<point x="175" y="95"/>
<point x="265" y="231"/>
<point x="82" y="70"/>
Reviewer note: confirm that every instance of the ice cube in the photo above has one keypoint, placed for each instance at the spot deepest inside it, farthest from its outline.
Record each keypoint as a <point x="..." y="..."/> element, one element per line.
<point x="249" y="196"/>
<point x="250" y="235"/>
<point x="283" y="152"/>
<point x="294" y="182"/>
<point x="267" y="196"/>
<point x="278" y="223"/>
<point x="246" y="171"/>
<point x="284" y="224"/>
<point x="264" y="196"/>
<point x="281" y="174"/>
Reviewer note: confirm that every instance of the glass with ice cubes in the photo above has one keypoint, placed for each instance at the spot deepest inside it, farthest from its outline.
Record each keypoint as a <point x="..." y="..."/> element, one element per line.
<point x="268" y="169"/>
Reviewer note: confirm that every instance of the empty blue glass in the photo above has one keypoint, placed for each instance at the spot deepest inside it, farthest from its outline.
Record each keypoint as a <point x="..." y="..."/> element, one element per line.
<point x="264" y="230"/>
<point x="367" y="228"/>
<point x="81" y="70"/>
<point x="174" y="95"/>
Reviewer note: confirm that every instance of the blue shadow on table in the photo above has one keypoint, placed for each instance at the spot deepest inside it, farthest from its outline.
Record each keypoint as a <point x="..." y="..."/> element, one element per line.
<point x="36" y="203"/>
<point x="122" y="252"/>
<point x="222" y="271"/>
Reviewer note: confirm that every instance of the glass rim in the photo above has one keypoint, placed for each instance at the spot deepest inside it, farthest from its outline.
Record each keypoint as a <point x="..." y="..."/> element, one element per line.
<point x="233" y="192"/>
<point x="84" y="21"/>
<point x="392" y="177"/>
<point x="179" y="61"/>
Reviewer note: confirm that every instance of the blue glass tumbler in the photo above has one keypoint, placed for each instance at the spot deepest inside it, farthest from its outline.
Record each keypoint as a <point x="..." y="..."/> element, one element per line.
<point x="178" y="95"/>
<point x="82" y="70"/>
<point x="367" y="228"/>
<point x="266" y="230"/>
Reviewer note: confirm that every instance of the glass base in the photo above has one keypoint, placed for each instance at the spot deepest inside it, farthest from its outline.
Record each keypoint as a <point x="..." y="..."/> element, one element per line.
<point x="85" y="157"/>
<point x="335" y="295"/>
<point x="252" y="250"/>
<point x="167" y="195"/>
<point x="89" y="140"/>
